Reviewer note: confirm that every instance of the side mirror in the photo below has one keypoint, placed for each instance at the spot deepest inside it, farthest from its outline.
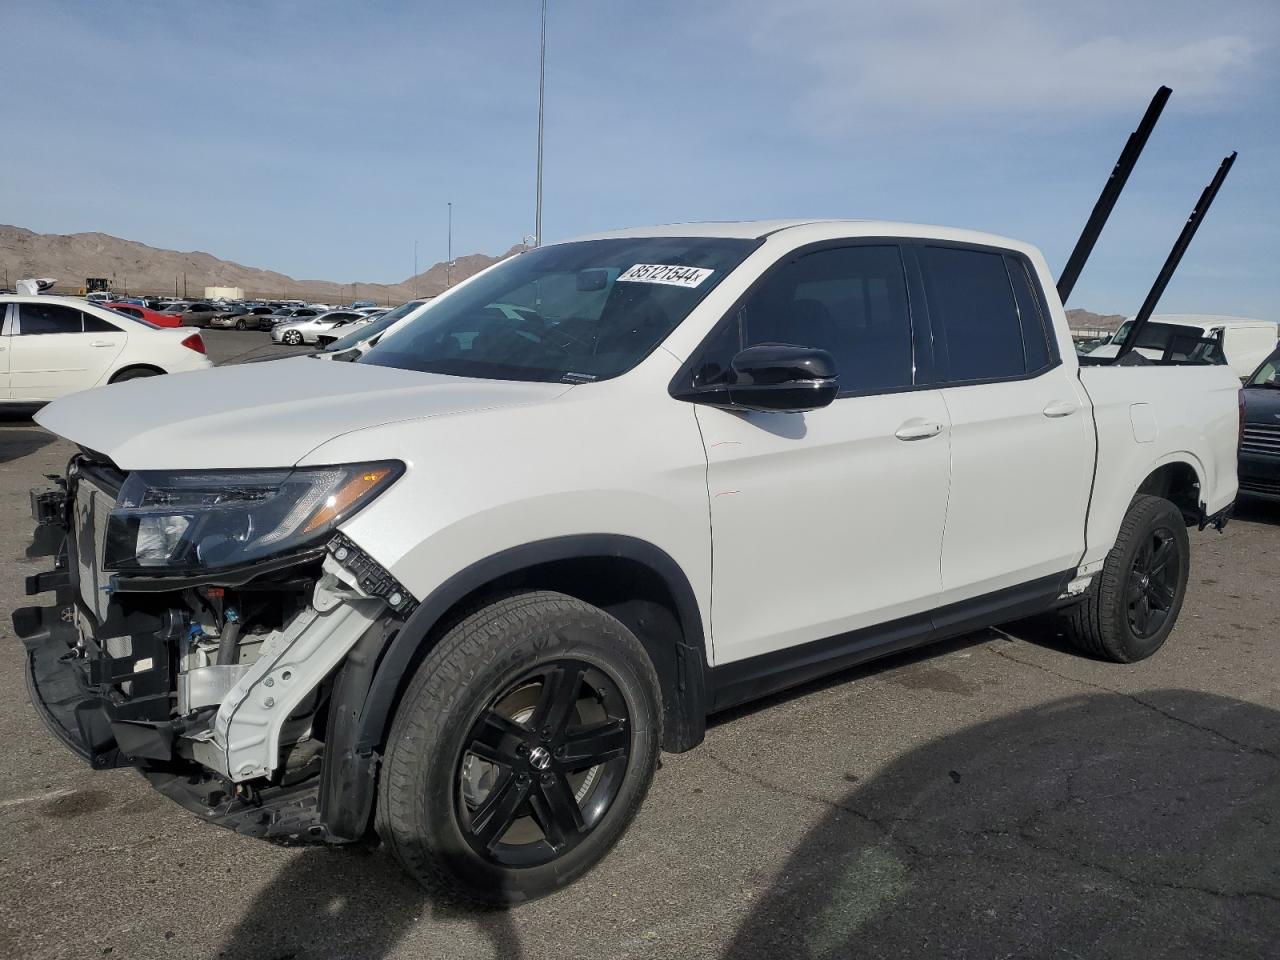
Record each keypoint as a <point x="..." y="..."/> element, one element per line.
<point x="783" y="378"/>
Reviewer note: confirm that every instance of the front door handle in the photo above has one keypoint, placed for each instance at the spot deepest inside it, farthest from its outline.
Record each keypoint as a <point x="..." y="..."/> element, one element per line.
<point x="101" y="343"/>
<point x="1061" y="408"/>
<point x="918" y="428"/>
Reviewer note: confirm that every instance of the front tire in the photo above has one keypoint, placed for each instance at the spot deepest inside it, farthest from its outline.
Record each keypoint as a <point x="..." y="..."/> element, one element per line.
<point x="521" y="751"/>
<point x="292" y="338"/>
<point x="241" y="325"/>
<point x="1130" y="608"/>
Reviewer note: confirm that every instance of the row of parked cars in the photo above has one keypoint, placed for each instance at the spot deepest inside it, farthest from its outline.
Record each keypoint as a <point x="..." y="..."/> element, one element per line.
<point x="241" y="315"/>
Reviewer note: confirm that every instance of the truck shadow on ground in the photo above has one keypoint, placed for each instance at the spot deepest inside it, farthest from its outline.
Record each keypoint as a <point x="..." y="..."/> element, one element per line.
<point x="1100" y="825"/>
<point x="18" y="441"/>
<point x="1254" y="510"/>
<point x="349" y="903"/>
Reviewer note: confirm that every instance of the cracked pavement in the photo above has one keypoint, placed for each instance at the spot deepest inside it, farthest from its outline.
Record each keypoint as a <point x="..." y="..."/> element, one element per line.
<point x="993" y="796"/>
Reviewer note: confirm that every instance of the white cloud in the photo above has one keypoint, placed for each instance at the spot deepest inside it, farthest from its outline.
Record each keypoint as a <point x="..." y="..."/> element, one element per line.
<point x="975" y="57"/>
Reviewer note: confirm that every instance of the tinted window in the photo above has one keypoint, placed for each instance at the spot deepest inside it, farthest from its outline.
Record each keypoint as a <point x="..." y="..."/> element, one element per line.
<point x="569" y="312"/>
<point x="94" y="324"/>
<point x="974" y="313"/>
<point x="851" y="302"/>
<point x="1037" y="347"/>
<point x="39" y="318"/>
<point x="1159" y="336"/>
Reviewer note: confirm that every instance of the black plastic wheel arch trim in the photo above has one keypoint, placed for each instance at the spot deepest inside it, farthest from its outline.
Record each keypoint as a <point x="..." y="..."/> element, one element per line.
<point x="681" y="668"/>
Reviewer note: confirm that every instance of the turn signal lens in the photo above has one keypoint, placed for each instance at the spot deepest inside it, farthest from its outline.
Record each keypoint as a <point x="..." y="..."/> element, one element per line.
<point x="351" y="492"/>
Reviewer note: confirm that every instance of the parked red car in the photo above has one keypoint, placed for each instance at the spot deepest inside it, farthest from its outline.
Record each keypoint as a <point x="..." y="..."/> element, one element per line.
<point x="146" y="313"/>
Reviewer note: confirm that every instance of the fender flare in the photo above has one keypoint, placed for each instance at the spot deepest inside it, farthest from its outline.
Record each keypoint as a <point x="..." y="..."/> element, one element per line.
<point x="370" y="682"/>
<point x="390" y="672"/>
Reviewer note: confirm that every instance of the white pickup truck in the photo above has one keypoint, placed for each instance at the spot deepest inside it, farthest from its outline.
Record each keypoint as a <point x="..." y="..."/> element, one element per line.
<point x="458" y="593"/>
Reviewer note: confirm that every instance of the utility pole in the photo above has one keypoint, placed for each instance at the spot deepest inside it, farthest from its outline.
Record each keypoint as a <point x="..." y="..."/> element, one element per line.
<point x="448" y="260"/>
<point x="542" y="85"/>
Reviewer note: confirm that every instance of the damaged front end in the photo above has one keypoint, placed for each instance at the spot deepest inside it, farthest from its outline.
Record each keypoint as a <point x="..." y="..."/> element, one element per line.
<point x="210" y="630"/>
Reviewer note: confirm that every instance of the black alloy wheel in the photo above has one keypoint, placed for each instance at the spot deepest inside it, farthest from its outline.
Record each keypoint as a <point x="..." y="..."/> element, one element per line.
<point x="521" y="750"/>
<point x="1153" y="582"/>
<point x="1131" y="604"/>
<point x="542" y="764"/>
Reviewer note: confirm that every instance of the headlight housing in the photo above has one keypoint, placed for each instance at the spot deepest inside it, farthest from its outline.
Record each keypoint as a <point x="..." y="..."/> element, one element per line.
<point x="178" y="521"/>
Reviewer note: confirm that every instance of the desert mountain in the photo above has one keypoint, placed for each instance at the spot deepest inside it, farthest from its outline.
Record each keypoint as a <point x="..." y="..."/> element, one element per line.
<point x="136" y="268"/>
<point x="1084" y="320"/>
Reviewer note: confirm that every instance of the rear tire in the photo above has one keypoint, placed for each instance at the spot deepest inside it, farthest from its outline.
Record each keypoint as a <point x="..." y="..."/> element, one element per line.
<point x="1130" y="608"/>
<point x="498" y="789"/>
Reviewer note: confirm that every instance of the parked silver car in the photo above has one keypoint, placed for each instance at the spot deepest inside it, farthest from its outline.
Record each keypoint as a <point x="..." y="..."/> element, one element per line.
<point x="297" y="332"/>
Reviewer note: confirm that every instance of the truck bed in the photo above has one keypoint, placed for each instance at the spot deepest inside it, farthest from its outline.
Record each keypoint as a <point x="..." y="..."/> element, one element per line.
<point x="1150" y="415"/>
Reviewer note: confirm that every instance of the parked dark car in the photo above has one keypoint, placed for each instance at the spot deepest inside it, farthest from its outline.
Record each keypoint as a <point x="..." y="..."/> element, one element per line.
<point x="259" y="317"/>
<point x="196" y="314"/>
<point x="1260" y="444"/>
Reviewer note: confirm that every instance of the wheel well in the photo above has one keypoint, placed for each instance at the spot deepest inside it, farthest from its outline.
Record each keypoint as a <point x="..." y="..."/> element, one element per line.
<point x="134" y="366"/>
<point x="624" y="588"/>
<point x="661" y="613"/>
<point x="1179" y="484"/>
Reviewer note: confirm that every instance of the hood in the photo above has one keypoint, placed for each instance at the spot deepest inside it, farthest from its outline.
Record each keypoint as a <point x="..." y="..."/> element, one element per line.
<point x="1262" y="405"/>
<point x="263" y="414"/>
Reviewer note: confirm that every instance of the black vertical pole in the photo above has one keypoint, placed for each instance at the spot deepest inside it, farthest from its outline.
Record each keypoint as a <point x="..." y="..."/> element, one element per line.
<point x="1175" y="256"/>
<point x="1110" y="194"/>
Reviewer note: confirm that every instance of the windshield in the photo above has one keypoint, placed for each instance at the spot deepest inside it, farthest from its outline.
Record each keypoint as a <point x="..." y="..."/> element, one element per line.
<point x="1157" y="336"/>
<point x="1265" y="375"/>
<point x="375" y="327"/>
<point x="571" y="312"/>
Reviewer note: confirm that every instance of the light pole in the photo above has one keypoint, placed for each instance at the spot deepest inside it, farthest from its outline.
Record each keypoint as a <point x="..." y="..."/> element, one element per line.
<point x="542" y="85"/>
<point x="448" y="259"/>
<point x="413" y="284"/>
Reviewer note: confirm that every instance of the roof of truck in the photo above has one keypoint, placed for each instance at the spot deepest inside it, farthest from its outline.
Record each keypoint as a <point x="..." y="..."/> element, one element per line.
<point x="755" y="229"/>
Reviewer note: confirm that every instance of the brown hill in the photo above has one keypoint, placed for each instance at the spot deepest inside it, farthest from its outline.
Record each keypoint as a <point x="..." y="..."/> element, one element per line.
<point x="1084" y="320"/>
<point x="138" y="269"/>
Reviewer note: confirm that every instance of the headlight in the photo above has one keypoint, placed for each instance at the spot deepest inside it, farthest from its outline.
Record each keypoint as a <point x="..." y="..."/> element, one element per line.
<point x="178" y="521"/>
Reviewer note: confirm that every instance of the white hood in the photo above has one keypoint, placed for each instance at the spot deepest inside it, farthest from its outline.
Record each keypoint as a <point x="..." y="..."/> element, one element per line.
<point x="263" y="414"/>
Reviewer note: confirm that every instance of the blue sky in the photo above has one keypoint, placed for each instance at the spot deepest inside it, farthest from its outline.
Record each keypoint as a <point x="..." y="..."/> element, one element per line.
<point x="322" y="139"/>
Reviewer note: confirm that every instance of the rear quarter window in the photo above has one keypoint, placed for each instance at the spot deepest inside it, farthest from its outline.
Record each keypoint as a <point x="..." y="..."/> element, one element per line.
<point x="986" y="316"/>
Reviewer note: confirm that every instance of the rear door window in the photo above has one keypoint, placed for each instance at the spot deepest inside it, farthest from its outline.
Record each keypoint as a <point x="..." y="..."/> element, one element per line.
<point x="48" y="318"/>
<point x="95" y="324"/>
<point x="1037" y="338"/>
<point x="975" y="315"/>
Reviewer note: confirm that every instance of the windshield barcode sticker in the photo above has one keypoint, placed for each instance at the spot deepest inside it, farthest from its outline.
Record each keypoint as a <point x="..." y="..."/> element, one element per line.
<point x="658" y="273"/>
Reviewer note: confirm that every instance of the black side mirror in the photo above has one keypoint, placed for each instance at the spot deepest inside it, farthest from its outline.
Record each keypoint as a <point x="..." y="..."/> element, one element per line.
<point x="783" y="378"/>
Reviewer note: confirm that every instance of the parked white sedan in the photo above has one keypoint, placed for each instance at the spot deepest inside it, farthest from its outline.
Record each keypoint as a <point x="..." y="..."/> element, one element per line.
<point x="296" y="332"/>
<point x="52" y="346"/>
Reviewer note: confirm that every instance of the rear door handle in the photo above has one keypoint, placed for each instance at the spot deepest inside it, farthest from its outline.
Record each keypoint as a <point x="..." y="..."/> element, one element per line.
<point x="1061" y="408"/>
<point x="918" y="428"/>
<point x="101" y="343"/>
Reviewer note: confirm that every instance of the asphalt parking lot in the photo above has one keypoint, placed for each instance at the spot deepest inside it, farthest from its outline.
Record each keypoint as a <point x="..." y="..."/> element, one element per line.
<point x="995" y="796"/>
